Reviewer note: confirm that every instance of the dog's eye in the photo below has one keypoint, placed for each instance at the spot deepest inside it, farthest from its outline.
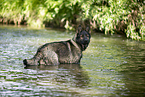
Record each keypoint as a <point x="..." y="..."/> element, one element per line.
<point x="81" y="35"/>
<point x="87" y="35"/>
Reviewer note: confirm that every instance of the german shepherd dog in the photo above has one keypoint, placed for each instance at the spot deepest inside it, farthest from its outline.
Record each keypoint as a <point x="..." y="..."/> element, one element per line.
<point x="63" y="52"/>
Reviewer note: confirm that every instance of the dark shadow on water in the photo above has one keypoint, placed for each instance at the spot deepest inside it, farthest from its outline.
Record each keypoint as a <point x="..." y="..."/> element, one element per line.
<point x="67" y="73"/>
<point x="42" y="67"/>
<point x="54" y="67"/>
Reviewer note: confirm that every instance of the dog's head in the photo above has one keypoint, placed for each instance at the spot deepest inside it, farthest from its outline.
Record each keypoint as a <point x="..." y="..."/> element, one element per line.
<point x="82" y="37"/>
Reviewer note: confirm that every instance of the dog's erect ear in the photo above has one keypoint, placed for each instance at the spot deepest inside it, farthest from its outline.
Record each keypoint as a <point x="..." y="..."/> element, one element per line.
<point x="88" y="29"/>
<point x="79" y="29"/>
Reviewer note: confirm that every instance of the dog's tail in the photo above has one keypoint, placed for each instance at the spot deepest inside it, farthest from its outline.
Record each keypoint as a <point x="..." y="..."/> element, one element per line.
<point x="33" y="61"/>
<point x="28" y="62"/>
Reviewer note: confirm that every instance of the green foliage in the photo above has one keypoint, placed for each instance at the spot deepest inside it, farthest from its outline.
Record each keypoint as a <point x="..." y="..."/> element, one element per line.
<point x="12" y="10"/>
<point x="110" y="16"/>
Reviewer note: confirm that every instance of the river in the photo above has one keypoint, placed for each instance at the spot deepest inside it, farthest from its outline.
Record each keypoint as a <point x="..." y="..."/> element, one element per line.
<point x="111" y="66"/>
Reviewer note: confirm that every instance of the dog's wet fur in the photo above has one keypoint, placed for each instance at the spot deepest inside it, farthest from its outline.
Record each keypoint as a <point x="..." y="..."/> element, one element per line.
<point x="62" y="52"/>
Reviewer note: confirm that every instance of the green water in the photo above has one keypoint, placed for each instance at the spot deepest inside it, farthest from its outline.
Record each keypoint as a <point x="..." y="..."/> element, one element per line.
<point x="111" y="66"/>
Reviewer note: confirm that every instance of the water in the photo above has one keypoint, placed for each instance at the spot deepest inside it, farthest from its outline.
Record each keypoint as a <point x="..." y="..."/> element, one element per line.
<point x="111" y="66"/>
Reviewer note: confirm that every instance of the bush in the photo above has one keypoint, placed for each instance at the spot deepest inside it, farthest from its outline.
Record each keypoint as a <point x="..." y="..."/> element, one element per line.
<point x="111" y="16"/>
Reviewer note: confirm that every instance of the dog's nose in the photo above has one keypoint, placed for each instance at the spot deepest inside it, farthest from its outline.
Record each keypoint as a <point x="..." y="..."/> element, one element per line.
<point x="86" y="40"/>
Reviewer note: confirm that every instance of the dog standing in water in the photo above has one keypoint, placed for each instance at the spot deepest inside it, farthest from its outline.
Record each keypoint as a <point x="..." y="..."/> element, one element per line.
<point x="63" y="52"/>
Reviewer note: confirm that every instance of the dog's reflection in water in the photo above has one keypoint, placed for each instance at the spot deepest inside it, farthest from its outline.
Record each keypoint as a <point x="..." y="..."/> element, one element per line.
<point x="70" y="74"/>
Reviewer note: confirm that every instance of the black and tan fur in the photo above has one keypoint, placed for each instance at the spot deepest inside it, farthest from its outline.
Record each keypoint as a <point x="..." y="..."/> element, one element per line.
<point x="62" y="52"/>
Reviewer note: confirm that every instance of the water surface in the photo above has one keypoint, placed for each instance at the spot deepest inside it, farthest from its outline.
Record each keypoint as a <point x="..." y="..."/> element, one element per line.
<point x="111" y="66"/>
